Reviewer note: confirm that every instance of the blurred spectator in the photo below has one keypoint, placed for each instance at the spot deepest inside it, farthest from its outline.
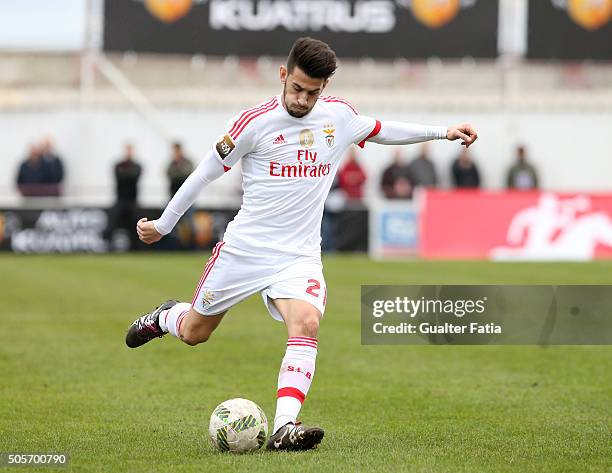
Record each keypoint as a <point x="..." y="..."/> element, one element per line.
<point x="179" y="168"/>
<point x="334" y="205"/>
<point x="396" y="182"/>
<point x="422" y="169"/>
<point x="53" y="164"/>
<point x="464" y="171"/>
<point x="352" y="177"/>
<point x="522" y="175"/>
<point x="36" y="176"/>
<point x="127" y="174"/>
<point x="178" y="171"/>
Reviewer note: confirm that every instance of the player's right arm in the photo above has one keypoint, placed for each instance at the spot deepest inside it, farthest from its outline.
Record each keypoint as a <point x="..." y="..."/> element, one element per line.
<point x="207" y="171"/>
<point x="227" y="151"/>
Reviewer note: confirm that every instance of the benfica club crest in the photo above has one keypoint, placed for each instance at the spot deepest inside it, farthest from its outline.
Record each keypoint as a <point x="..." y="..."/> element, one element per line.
<point x="207" y="297"/>
<point x="329" y="131"/>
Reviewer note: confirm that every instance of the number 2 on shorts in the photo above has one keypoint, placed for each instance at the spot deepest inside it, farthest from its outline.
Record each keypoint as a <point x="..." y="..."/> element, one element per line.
<point x="314" y="286"/>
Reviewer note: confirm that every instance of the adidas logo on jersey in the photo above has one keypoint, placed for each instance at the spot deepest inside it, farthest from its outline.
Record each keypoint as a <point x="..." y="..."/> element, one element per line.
<point x="279" y="140"/>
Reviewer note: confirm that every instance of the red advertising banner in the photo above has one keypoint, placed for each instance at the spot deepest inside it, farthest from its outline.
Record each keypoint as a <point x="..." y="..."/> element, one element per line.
<point x="516" y="226"/>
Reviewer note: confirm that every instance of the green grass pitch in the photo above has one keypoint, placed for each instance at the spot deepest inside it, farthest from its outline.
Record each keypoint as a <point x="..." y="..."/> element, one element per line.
<point x="69" y="383"/>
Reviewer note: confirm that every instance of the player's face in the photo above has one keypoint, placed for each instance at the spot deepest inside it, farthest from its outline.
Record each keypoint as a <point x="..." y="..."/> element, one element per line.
<point x="300" y="91"/>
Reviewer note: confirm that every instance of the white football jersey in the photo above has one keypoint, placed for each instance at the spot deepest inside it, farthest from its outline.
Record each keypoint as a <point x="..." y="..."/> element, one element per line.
<point x="288" y="167"/>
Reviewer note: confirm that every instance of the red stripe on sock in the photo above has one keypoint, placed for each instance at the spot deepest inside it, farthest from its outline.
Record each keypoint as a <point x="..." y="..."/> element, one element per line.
<point x="302" y="342"/>
<point x="301" y="345"/>
<point x="179" y="321"/>
<point x="292" y="392"/>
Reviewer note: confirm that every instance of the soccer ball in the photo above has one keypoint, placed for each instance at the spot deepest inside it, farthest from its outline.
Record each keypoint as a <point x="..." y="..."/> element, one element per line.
<point x="238" y="426"/>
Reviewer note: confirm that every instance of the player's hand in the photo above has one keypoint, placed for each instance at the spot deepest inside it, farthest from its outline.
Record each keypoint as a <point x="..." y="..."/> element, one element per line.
<point x="465" y="132"/>
<point x="146" y="231"/>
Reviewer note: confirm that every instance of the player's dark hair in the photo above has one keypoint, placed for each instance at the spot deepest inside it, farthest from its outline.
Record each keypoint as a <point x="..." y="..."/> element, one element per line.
<point x="312" y="56"/>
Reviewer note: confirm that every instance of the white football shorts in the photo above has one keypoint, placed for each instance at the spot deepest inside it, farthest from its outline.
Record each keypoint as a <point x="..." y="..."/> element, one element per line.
<point x="232" y="274"/>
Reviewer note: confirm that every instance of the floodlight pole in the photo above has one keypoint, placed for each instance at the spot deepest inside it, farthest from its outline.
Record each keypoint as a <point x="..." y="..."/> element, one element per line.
<point x="512" y="46"/>
<point x="93" y="59"/>
<point x="142" y="105"/>
<point x="88" y="55"/>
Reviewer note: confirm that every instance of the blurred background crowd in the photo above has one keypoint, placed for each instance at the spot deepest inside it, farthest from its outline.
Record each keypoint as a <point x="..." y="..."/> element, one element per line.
<point x="41" y="173"/>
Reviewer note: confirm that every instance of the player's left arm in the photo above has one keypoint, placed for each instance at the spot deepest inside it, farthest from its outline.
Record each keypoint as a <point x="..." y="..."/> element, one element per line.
<point x="465" y="132"/>
<point x="399" y="133"/>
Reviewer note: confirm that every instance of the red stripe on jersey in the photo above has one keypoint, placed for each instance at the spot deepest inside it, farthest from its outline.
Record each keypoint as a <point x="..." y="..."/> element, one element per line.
<point x="226" y="168"/>
<point x="292" y="392"/>
<point x="373" y="133"/>
<point x="333" y="97"/>
<point x="253" y="117"/>
<point x="329" y="98"/>
<point x="244" y="114"/>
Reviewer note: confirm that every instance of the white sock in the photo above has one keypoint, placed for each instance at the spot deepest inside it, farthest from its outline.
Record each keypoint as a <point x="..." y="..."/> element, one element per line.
<point x="170" y="320"/>
<point x="294" y="379"/>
